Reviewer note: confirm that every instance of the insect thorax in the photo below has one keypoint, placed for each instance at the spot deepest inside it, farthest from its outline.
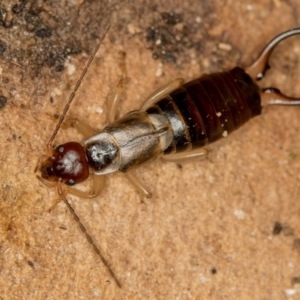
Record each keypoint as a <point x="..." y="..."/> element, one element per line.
<point x="133" y="140"/>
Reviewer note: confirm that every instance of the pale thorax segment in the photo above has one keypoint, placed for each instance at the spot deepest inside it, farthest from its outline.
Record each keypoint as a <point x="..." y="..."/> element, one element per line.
<point x="136" y="138"/>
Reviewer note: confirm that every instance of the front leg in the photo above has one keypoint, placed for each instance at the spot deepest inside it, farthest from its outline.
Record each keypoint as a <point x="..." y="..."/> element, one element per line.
<point x="82" y="127"/>
<point x="98" y="183"/>
<point x="162" y="92"/>
<point x="187" y="156"/>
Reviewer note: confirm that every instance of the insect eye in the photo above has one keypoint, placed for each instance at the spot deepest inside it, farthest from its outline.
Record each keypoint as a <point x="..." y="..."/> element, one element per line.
<point x="59" y="149"/>
<point x="47" y="171"/>
<point x="70" y="182"/>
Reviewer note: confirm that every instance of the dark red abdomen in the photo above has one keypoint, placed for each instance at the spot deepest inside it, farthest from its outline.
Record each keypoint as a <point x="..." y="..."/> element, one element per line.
<point x="209" y="108"/>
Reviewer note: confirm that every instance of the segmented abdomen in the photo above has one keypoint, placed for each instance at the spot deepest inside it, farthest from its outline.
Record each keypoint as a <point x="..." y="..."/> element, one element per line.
<point x="209" y="108"/>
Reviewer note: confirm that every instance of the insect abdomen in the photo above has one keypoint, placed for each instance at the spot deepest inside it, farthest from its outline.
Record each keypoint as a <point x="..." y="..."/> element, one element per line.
<point x="209" y="108"/>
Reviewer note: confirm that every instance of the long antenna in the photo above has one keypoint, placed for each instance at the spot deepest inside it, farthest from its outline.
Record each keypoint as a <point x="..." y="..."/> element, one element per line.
<point x="88" y="237"/>
<point x="72" y="95"/>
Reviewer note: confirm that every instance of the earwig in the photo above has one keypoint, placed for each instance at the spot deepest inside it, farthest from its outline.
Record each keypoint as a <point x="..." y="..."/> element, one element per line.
<point x="175" y="123"/>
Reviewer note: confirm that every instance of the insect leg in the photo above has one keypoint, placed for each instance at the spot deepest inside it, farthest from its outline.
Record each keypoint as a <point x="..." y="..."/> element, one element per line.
<point x="55" y="202"/>
<point x="98" y="183"/>
<point x="94" y="192"/>
<point x="161" y="92"/>
<point x="114" y="100"/>
<point x="140" y="187"/>
<point x="45" y="182"/>
<point x="82" y="127"/>
<point x="187" y="156"/>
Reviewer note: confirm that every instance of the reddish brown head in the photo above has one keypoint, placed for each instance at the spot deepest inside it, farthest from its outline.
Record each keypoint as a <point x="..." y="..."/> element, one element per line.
<point x="68" y="164"/>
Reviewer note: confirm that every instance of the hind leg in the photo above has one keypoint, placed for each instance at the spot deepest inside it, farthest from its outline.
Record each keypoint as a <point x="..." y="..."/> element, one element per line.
<point x="161" y="92"/>
<point x="187" y="156"/>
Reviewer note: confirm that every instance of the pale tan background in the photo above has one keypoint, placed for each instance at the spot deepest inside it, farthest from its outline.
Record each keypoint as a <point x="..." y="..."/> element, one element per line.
<point x="214" y="214"/>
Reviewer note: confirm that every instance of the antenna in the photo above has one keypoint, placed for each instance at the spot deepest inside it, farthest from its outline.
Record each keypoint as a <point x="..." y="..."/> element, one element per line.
<point x="89" y="239"/>
<point x="72" y="95"/>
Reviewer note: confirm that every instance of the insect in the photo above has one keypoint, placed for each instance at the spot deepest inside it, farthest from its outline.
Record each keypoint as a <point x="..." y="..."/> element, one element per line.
<point x="176" y="122"/>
